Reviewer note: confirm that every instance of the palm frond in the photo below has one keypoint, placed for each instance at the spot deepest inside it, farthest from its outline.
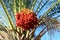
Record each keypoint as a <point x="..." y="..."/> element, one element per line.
<point x="38" y="6"/>
<point x="7" y="13"/>
<point x="54" y="11"/>
<point x="41" y="33"/>
<point x="10" y="6"/>
<point x="34" y="2"/>
<point x="51" y="23"/>
<point x="4" y="19"/>
<point x="42" y="6"/>
<point x="47" y="12"/>
<point x="14" y="6"/>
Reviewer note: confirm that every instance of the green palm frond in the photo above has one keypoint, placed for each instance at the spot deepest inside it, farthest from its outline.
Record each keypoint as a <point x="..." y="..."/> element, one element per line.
<point x="34" y="2"/>
<point x="46" y="13"/>
<point x="4" y="19"/>
<point x="7" y="14"/>
<point x="42" y="6"/>
<point x="53" y="13"/>
<point x="38" y="6"/>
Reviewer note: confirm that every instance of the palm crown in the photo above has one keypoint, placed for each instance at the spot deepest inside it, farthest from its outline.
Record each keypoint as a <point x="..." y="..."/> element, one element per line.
<point x="9" y="30"/>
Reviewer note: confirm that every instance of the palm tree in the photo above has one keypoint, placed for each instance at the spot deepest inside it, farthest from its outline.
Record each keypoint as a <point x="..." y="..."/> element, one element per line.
<point x="9" y="30"/>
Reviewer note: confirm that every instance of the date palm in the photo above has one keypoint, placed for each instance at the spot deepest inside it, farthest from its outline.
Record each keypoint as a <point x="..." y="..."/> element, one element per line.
<point x="9" y="30"/>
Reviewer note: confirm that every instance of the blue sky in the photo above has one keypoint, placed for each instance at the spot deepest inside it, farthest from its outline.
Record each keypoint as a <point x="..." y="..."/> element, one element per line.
<point x="46" y="36"/>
